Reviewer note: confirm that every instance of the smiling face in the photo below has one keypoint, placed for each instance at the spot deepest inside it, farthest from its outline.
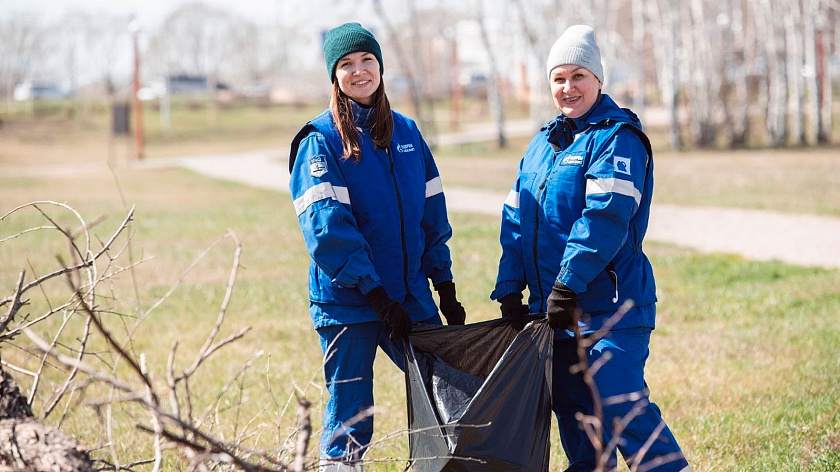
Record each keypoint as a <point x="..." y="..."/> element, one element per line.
<point x="358" y="76"/>
<point x="574" y="88"/>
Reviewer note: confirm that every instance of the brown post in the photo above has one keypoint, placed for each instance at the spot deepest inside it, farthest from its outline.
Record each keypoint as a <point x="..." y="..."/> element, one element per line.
<point x="136" y="103"/>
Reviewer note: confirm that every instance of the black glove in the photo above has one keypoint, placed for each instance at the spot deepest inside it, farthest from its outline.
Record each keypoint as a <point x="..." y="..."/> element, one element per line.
<point x="561" y="306"/>
<point x="513" y="308"/>
<point x="390" y="312"/>
<point x="449" y="304"/>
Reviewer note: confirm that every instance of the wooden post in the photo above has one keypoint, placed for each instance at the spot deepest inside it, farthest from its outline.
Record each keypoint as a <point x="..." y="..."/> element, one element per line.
<point x="137" y="105"/>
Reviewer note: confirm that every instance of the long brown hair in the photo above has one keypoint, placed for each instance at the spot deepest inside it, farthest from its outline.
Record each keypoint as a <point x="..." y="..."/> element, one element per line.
<point x="381" y="128"/>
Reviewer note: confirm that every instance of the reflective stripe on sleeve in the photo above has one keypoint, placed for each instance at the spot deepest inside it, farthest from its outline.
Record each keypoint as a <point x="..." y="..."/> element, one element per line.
<point x="512" y="199"/>
<point x="621" y="187"/>
<point x="434" y="187"/>
<point x="321" y="192"/>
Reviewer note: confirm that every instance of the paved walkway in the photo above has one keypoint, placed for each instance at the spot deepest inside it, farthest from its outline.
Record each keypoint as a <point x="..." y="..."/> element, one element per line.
<point x="807" y="240"/>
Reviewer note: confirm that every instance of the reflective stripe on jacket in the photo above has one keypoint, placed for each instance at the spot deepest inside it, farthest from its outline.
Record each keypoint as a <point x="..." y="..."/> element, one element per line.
<point x="381" y="221"/>
<point x="578" y="213"/>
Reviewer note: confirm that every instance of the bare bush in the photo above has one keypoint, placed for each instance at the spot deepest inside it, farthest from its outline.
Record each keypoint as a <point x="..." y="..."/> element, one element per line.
<point x="168" y="409"/>
<point x="593" y="424"/>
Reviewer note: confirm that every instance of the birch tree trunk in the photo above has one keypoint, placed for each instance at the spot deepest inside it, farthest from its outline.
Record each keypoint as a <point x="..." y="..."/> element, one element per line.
<point x="760" y="54"/>
<point x="425" y="106"/>
<point x="809" y="41"/>
<point x="824" y="84"/>
<point x="703" y="90"/>
<point x="495" y="92"/>
<point x="728" y="109"/>
<point x="793" y="50"/>
<point x="666" y="52"/>
<point x="413" y="86"/>
<point x="537" y="82"/>
<point x="604" y="20"/>
<point x="776" y="77"/>
<point x="639" y="33"/>
<point x="738" y="124"/>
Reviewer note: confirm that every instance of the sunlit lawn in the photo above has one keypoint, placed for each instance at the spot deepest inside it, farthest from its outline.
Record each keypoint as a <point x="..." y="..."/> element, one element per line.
<point x="743" y="362"/>
<point x="804" y="180"/>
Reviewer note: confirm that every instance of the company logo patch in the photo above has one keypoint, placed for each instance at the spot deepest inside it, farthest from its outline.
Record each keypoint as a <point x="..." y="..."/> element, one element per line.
<point x="317" y="165"/>
<point x="408" y="147"/>
<point x="622" y="165"/>
<point x="572" y="160"/>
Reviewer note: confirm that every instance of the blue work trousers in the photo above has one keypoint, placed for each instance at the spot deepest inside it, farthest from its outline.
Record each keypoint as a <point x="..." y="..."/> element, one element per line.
<point x="624" y="396"/>
<point x="349" y="352"/>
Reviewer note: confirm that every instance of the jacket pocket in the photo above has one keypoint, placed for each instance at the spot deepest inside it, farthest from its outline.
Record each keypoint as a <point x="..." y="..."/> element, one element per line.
<point x="323" y="290"/>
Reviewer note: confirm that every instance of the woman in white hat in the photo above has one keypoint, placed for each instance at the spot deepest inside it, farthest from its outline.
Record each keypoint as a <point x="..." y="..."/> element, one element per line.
<point x="572" y="230"/>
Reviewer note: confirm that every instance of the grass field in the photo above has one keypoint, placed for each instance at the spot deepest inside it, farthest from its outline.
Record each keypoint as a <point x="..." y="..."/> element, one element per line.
<point x="798" y="180"/>
<point x="743" y="362"/>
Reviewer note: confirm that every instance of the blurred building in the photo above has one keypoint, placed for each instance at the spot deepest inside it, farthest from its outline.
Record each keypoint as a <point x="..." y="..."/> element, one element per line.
<point x="40" y="91"/>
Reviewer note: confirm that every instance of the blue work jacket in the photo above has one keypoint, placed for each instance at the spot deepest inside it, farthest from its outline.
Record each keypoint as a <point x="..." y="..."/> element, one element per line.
<point x="381" y="221"/>
<point x="578" y="213"/>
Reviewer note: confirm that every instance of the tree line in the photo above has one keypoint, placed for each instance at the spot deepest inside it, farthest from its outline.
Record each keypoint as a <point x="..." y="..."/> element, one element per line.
<point x="728" y="73"/>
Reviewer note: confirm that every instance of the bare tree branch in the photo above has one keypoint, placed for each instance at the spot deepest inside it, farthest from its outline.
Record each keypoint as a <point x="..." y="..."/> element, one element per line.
<point x="16" y="303"/>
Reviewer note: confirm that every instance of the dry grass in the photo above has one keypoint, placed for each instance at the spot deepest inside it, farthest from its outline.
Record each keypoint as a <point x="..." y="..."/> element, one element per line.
<point x="789" y="180"/>
<point x="80" y="133"/>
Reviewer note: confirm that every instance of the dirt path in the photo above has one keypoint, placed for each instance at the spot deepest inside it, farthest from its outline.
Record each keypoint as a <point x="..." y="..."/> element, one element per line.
<point x="808" y="240"/>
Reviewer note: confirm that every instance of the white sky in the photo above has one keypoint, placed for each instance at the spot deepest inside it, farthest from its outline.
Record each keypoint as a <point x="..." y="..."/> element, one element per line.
<point x="309" y="17"/>
<point x="152" y="12"/>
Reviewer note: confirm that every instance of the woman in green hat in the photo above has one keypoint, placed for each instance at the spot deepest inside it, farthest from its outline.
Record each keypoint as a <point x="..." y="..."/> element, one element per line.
<point x="371" y="207"/>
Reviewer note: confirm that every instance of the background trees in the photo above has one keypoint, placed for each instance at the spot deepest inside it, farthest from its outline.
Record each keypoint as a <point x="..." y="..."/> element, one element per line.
<point x="727" y="73"/>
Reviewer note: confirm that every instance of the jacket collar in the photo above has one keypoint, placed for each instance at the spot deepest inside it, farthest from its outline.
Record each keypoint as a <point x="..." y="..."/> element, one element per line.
<point x="560" y="131"/>
<point x="606" y="109"/>
<point x="362" y="115"/>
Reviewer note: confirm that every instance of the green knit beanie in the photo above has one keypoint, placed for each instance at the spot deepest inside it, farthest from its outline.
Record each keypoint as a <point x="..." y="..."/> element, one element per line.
<point x="349" y="37"/>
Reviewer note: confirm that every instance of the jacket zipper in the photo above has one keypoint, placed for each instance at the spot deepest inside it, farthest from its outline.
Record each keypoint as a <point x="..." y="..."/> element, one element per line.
<point x="536" y="233"/>
<point x="402" y="220"/>
<point x="537" y="227"/>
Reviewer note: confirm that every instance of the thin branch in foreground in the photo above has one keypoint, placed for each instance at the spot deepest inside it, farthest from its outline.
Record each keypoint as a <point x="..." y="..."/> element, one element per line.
<point x="16" y="303"/>
<point x="207" y="445"/>
<point x="114" y="345"/>
<point x="208" y="348"/>
<point x="305" y="427"/>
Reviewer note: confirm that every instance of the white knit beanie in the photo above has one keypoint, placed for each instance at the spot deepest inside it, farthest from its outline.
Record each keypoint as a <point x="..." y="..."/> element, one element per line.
<point x="576" y="46"/>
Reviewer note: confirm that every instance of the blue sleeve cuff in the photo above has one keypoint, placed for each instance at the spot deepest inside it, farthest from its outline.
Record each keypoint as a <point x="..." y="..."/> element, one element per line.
<point x="571" y="280"/>
<point x="506" y="288"/>
<point x="441" y="276"/>
<point x="366" y="284"/>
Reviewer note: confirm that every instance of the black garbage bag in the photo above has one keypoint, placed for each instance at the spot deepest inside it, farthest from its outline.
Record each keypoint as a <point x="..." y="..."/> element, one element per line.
<point x="479" y="397"/>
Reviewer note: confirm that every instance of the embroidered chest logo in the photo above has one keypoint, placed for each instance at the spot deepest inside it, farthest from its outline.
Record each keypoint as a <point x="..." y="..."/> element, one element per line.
<point x="572" y="160"/>
<point x="317" y="165"/>
<point x="408" y="147"/>
<point x="622" y="165"/>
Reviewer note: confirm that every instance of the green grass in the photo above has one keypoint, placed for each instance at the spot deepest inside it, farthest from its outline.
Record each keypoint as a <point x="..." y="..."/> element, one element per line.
<point x="743" y="362"/>
<point x="757" y="341"/>
<point x="787" y="180"/>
